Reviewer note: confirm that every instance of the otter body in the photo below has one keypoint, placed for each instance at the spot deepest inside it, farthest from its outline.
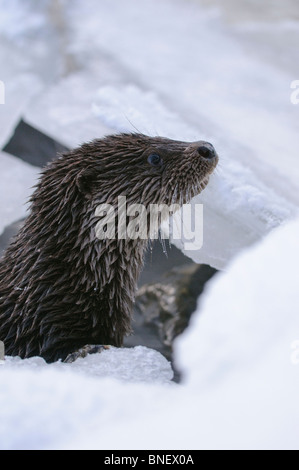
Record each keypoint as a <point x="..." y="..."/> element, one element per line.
<point x="60" y="286"/>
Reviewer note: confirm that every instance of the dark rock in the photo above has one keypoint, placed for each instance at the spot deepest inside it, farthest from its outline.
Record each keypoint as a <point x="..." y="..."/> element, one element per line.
<point x="163" y="309"/>
<point x="33" y="146"/>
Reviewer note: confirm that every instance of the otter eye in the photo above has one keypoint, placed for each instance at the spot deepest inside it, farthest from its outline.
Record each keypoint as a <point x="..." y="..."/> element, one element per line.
<point x="155" y="160"/>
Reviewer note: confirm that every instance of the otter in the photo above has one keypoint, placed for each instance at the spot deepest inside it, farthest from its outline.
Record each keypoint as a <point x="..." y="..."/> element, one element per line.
<point x="61" y="287"/>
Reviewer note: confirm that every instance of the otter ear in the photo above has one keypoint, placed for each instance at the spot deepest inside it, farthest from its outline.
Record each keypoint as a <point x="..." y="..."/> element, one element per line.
<point x="85" y="181"/>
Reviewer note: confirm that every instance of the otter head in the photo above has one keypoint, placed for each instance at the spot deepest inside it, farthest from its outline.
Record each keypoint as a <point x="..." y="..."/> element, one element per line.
<point x="147" y="170"/>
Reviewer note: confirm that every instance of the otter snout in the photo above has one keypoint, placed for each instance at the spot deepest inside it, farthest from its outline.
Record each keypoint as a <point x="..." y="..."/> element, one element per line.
<point x="206" y="150"/>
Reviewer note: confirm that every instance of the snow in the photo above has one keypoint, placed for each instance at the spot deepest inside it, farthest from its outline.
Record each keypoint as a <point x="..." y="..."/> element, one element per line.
<point x="247" y="314"/>
<point x="137" y="364"/>
<point x="45" y="404"/>
<point x="240" y="363"/>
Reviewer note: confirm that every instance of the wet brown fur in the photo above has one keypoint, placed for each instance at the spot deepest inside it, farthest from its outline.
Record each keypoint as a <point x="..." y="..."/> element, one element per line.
<point x="60" y="286"/>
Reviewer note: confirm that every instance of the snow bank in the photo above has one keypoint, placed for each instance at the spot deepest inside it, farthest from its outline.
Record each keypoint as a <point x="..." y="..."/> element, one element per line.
<point x="48" y="405"/>
<point x="138" y="364"/>
<point x="240" y="359"/>
<point x="249" y="319"/>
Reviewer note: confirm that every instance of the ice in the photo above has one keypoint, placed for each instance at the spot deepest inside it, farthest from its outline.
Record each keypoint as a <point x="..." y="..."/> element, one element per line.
<point x="239" y="206"/>
<point x="16" y="181"/>
<point x="223" y="93"/>
<point x="30" y="57"/>
<point x="20" y="87"/>
<point x="124" y="107"/>
<point x="32" y="54"/>
<point x="67" y="111"/>
<point x="239" y="209"/>
<point x="138" y="364"/>
<point x="19" y="19"/>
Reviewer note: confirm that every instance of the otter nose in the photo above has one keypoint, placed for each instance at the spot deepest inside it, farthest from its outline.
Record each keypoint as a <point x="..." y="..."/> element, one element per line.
<point x="207" y="151"/>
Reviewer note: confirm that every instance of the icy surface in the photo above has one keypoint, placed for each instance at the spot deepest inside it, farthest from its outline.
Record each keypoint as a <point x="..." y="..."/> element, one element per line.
<point x="25" y="61"/>
<point x="137" y="364"/>
<point x="67" y="115"/>
<point x="240" y="359"/>
<point x="21" y="86"/>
